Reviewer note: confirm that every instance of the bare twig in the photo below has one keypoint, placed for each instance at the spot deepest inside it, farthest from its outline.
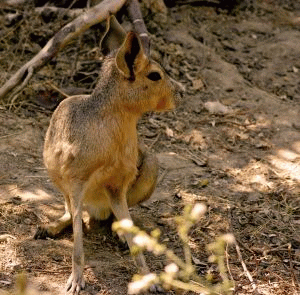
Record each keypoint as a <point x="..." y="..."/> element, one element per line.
<point x="238" y="251"/>
<point x="21" y="87"/>
<point x="227" y="263"/>
<point x="136" y="18"/>
<point x="160" y="179"/>
<point x="57" y="89"/>
<point x="155" y="141"/>
<point x="75" y="12"/>
<point x="12" y="134"/>
<point x="294" y="280"/>
<point x="93" y="16"/>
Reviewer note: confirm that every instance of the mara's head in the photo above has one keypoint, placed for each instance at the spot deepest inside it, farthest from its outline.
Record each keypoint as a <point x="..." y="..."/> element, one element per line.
<point x="141" y="82"/>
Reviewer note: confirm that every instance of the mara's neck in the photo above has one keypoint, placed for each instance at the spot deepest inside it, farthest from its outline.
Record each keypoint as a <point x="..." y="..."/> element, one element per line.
<point x="106" y="89"/>
<point x="108" y="97"/>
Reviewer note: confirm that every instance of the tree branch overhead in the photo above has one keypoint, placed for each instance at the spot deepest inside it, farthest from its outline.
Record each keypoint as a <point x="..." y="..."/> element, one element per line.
<point x="79" y="25"/>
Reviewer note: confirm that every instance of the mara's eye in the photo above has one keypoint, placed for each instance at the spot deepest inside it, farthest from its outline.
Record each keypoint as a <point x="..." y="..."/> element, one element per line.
<point x="154" y="76"/>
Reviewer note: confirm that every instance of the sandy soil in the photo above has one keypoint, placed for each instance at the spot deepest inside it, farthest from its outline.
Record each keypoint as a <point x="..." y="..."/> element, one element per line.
<point x="240" y="157"/>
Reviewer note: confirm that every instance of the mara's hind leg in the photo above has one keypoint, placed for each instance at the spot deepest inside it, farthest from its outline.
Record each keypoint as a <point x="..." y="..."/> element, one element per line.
<point x="142" y="189"/>
<point x="54" y="228"/>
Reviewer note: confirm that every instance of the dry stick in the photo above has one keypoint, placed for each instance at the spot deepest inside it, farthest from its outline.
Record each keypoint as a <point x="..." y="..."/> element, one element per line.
<point x="72" y="13"/>
<point x="194" y="287"/>
<point x="238" y="251"/>
<point x="75" y="60"/>
<point x="136" y="19"/>
<point x="277" y="249"/>
<point x="57" y="89"/>
<point x="93" y="16"/>
<point x="291" y="266"/>
<point x="21" y="87"/>
<point x="12" y="134"/>
<point x="227" y="263"/>
<point x="11" y="3"/>
<point x="154" y="141"/>
<point x="160" y="179"/>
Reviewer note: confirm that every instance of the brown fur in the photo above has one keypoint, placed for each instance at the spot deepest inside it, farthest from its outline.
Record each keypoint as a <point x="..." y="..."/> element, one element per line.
<point x="91" y="148"/>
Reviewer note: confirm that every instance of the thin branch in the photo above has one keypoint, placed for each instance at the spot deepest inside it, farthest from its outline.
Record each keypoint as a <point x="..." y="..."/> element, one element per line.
<point x="238" y="251"/>
<point x="93" y="16"/>
<point x="137" y="20"/>
<point x="75" y="12"/>
<point x="21" y="87"/>
<point x="190" y="286"/>
<point x="58" y="90"/>
<point x="227" y="263"/>
<point x="294" y="279"/>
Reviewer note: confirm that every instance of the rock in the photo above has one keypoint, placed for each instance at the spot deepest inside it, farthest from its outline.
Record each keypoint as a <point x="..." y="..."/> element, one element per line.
<point x="27" y="221"/>
<point x="197" y="84"/>
<point x="169" y="132"/>
<point x="172" y="161"/>
<point x="215" y="107"/>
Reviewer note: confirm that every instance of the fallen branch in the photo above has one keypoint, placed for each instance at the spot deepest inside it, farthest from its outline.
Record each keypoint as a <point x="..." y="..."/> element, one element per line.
<point x="11" y="3"/>
<point x="93" y="16"/>
<point x="75" y="12"/>
<point x="58" y="90"/>
<point x="137" y="21"/>
<point x="246" y="271"/>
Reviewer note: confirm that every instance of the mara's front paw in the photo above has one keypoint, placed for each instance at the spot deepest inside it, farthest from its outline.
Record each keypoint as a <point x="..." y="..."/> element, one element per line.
<point x="75" y="284"/>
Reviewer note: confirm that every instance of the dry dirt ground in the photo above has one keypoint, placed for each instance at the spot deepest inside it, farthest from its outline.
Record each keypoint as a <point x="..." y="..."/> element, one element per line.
<point x="240" y="157"/>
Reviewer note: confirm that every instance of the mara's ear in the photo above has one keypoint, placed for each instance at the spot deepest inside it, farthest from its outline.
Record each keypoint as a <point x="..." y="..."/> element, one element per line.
<point x="131" y="58"/>
<point x="113" y="37"/>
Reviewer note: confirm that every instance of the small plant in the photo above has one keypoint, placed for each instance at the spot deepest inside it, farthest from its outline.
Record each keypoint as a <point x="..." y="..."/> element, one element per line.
<point x="179" y="274"/>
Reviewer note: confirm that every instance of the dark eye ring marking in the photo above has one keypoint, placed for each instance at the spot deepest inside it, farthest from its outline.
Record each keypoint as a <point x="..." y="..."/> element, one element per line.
<point x="154" y="76"/>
